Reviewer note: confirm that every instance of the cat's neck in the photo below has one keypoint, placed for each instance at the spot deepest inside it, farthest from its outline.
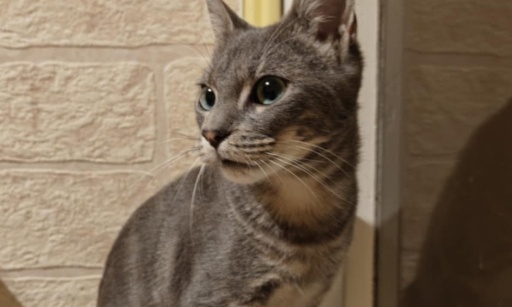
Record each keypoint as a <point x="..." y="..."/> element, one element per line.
<point x="301" y="201"/>
<point x="302" y="209"/>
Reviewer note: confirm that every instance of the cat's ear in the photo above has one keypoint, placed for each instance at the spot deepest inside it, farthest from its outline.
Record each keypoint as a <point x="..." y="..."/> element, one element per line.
<point x="223" y="19"/>
<point x="326" y="18"/>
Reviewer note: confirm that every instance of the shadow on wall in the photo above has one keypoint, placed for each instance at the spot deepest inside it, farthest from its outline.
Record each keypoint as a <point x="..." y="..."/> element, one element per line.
<point x="7" y="299"/>
<point x="467" y="257"/>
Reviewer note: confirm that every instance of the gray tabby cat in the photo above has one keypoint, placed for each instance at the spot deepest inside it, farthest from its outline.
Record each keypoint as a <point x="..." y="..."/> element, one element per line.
<point x="267" y="220"/>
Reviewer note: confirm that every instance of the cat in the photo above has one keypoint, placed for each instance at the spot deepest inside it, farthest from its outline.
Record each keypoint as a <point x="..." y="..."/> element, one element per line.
<point x="268" y="217"/>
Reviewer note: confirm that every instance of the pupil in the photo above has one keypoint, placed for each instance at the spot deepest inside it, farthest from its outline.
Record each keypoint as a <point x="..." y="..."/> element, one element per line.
<point x="210" y="97"/>
<point x="270" y="90"/>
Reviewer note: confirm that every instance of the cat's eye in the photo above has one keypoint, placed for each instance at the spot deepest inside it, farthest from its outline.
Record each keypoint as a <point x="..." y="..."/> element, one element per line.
<point x="269" y="90"/>
<point x="207" y="98"/>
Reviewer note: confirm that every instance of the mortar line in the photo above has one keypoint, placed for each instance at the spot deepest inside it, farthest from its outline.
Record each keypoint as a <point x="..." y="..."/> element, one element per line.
<point x="52" y="272"/>
<point x="157" y="54"/>
<point x="161" y="115"/>
<point x="76" y="166"/>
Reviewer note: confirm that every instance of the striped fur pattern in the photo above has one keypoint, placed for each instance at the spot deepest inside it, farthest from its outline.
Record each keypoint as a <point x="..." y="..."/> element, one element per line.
<point x="267" y="218"/>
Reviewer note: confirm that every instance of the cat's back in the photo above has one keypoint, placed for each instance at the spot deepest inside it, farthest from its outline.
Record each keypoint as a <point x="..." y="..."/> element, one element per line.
<point x="151" y="259"/>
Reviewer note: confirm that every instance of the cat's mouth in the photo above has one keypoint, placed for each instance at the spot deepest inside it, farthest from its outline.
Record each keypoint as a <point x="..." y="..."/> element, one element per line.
<point x="235" y="164"/>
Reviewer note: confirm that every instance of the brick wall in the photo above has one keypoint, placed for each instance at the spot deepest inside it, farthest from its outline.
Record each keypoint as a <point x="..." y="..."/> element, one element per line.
<point x="459" y="73"/>
<point x="92" y="94"/>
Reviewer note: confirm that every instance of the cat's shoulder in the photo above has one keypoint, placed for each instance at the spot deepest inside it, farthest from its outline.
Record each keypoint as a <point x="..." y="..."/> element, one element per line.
<point x="174" y="199"/>
<point x="169" y="209"/>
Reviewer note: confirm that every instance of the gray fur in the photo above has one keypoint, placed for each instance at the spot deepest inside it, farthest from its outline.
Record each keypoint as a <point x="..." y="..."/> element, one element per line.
<point x="274" y="232"/>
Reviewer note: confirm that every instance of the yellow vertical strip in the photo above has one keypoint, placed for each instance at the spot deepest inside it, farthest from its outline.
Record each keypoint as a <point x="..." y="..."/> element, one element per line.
<point x="271" y="11"/>
<point x="262" y="12"/>
<point x="251" y="12"/>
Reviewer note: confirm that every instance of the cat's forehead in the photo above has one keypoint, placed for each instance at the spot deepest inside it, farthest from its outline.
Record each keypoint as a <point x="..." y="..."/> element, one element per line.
<point x="244" y="50"/>
<point x="255" y="52"/>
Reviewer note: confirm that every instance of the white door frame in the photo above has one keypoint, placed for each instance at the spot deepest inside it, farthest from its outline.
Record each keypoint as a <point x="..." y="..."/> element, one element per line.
<point x="389" y="155"/>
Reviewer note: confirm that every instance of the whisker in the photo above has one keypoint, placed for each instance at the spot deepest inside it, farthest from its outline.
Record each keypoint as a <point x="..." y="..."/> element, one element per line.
<point x="298" y="165"/>
<point x="299" y="289"/>
<point x="205" y="45"/>
<point x="191" y="210"/>
<point x="209" y="53"/>
<point x="308" y="167"/>
<point x="183" y="179"/>
<point x="298" y="178"/>
<point x="294" y="163"/>
<point x="321" y="148"/>
<point x="327" y="158"/>
<point x="247" y="159"/>
<point x="201" y="54"/>
<point x="277" y="174"/>
<point x="298" y="158"/>
<point x="257" y="164"/>
<point x="186" y="136"/>
<point x="263" y="171"/>
<point x="174" y="139"/>
<point x="156" y="170"/>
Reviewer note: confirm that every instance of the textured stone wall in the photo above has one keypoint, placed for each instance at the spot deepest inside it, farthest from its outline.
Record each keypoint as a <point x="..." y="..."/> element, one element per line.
<point x="94" y="97"/>
<point x="459" y="75"/>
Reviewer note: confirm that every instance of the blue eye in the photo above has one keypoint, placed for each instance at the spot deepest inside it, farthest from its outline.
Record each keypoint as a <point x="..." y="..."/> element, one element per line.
<point x="269" y="90"/>
<point x="207" y="98"/>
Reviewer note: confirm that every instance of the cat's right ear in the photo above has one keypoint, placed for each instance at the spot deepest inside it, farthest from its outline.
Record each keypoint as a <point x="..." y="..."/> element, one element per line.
<point x="224" y="20"/>
<point x="326" y="18"/>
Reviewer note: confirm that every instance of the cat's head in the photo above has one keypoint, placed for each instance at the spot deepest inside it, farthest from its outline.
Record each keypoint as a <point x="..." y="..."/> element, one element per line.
<point x="275" y="95"/>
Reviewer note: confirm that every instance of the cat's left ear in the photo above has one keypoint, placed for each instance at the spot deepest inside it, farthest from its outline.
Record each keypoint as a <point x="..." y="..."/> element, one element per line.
<point x="327" y="18"/>
<point x="224" y="20"/>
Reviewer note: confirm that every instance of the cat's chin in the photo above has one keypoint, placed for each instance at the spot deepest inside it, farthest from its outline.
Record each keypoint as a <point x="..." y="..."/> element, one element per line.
<point x="242" y="175"/>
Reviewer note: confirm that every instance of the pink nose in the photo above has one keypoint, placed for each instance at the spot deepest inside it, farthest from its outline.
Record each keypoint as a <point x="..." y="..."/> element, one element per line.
<point x="215" y="137"/>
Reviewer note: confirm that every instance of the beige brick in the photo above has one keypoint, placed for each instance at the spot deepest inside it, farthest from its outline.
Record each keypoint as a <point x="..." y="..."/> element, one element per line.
<point x="50" y="219"/>
<point x="103" y="23"/>
<point x="181" y="94"/>
<point x="67" y="111"/>
<point x="62" y="292"/>
<point x="465" y="26"/>
<point x="444" y="105"/>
